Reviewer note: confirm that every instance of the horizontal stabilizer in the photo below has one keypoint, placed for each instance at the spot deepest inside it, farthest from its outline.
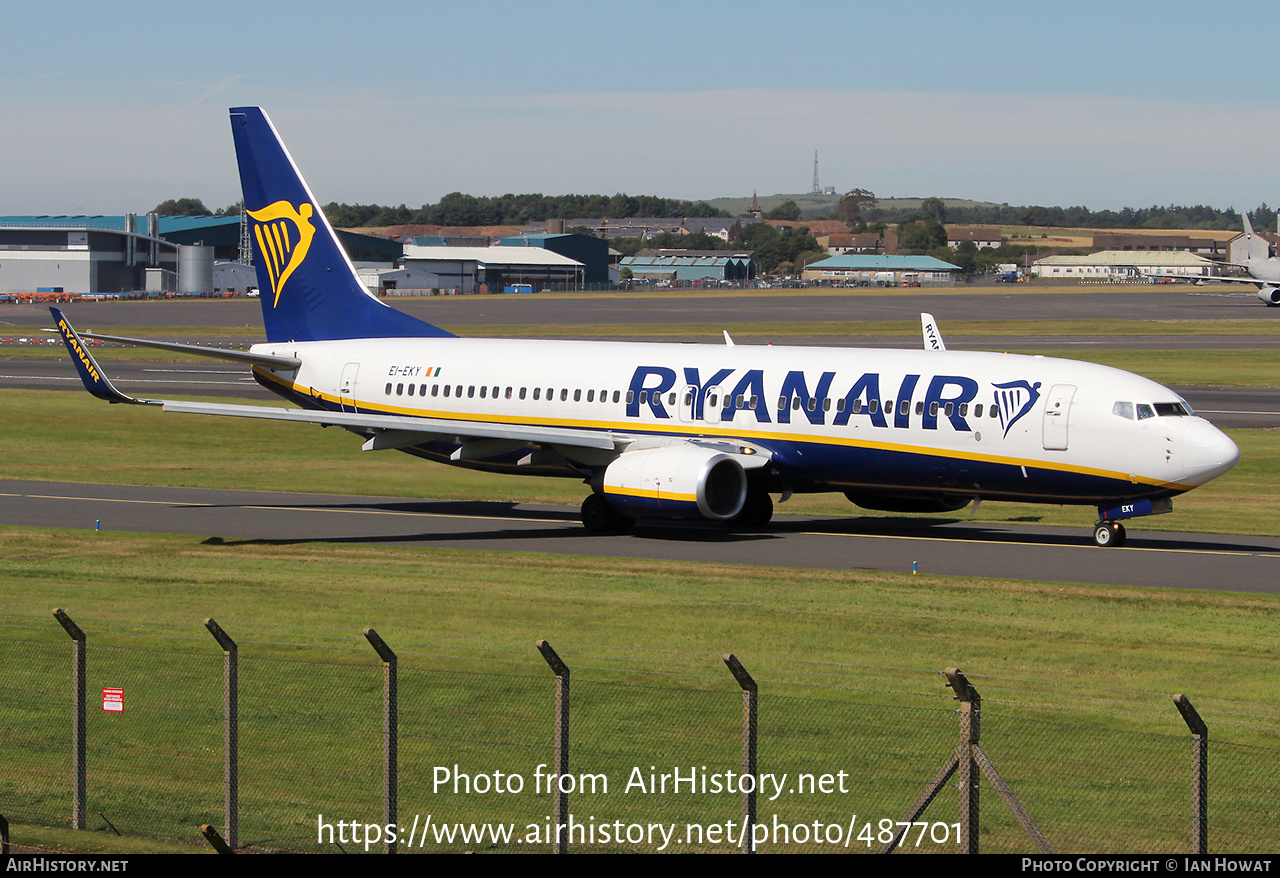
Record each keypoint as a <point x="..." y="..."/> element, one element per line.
<point x="271" y="362"/>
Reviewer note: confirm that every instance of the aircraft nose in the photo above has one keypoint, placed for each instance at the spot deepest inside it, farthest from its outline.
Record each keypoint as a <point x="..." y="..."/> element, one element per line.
<point x="1207" y="452"/>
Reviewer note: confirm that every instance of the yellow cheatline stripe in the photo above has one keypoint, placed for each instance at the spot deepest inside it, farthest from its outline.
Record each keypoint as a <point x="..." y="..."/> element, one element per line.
<point x="651" y="494"/>
<point x="715" y="432"/>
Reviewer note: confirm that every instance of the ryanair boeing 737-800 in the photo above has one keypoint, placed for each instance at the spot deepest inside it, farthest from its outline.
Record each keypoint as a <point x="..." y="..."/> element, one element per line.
<point x="685" y="431"/>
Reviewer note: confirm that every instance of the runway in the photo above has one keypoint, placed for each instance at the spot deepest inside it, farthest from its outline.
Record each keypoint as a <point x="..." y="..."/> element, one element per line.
<point x="976" y="302"/>
<point x="946" y="546"/>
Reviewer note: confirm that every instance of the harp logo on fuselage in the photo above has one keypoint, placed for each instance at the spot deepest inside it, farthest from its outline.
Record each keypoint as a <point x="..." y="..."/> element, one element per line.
<point x="283" y="234"/>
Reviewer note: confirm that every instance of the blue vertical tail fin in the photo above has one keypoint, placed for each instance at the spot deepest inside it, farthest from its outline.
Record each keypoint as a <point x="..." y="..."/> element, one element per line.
<point x="309" y="288"/>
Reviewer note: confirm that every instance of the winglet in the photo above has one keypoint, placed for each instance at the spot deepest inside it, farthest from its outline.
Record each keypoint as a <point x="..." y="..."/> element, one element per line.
<point x="932" y="337"/>
<point x="95" y="381"/>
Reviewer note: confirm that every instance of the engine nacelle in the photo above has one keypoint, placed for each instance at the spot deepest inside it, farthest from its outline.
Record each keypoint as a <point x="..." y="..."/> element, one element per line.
<point x="678" y="481"/>
<point x="1270" y="295"/>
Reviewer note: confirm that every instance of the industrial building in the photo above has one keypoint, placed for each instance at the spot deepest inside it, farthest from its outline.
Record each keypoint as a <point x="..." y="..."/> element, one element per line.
<point x="91" y="255"/>
<point x="79" y="255"/>
<point x="1116" y="266"/>
<point x="870" y="268"/>
<point x="469" y="270"/>
<point x="692" y="265"/>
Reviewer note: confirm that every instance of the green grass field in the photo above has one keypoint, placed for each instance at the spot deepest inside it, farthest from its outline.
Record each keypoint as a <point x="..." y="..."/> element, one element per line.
<point x="1070" y="675"/>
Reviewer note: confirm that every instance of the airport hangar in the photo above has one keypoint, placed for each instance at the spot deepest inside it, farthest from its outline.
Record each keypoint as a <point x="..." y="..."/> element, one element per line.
<point x="875" y="268"/>
<point x="109" y="255"/>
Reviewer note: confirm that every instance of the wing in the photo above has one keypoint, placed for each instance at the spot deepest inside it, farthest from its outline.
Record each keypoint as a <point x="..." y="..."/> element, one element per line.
<point x="389" y="431"/>
<point x="476" y="439"/>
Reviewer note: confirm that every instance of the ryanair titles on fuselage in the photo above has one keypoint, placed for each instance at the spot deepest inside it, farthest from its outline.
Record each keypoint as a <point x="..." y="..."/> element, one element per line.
<point x="945" y="396"/>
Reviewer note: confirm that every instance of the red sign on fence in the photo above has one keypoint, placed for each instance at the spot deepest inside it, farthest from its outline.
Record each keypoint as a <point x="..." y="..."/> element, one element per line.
<point x="113" y="700"/>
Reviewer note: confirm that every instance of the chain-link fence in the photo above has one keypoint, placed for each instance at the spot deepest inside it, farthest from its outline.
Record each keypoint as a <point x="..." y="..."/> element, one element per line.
<point x="316" y="741"/>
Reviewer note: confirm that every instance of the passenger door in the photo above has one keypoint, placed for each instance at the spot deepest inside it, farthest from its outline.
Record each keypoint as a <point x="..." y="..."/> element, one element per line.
<point x="1057" y="409"/>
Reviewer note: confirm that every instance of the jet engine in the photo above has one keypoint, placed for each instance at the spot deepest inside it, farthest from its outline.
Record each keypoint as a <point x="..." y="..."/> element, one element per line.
<point x="1270" y="295"/>
<point x="677" y="481"/>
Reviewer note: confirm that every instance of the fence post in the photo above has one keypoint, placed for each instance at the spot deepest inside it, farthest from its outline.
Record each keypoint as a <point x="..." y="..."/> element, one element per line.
<point x="230" y="733"/>
<point x="78" y="805"/>
<point x="750" y="696"/>
<point x="970" y="726"/>
<point x="1199" y="772"/>
<point x="560" y="800"/>
<point x="390" y="732"/>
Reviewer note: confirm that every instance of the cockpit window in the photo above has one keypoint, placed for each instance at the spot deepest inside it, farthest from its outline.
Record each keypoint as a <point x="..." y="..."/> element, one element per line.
<point x="1172" y="410"/>
<point x="1145" y="411"/>
<point x="1123" y="409"/>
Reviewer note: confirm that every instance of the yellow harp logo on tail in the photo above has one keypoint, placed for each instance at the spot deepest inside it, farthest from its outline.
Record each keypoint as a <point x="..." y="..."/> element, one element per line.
<point x="284" y="236"/>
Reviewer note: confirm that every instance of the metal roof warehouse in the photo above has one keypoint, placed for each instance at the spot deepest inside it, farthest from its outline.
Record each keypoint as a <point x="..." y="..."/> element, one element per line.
<point x="885" y="270"/>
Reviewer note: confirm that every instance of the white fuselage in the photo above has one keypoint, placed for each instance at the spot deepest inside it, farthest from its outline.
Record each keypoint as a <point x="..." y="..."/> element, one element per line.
<point x="863" y="421"/>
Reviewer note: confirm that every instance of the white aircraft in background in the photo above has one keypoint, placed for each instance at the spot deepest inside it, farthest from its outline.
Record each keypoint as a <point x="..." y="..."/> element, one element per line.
<point x="688" y="431"/>
<point x="1263" y="268"/>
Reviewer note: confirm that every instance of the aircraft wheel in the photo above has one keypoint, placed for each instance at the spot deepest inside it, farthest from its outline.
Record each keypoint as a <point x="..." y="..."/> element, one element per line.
<point x="1108" y="533"/>
<point x="757" y="511"/>
<point x="599" y="517"/>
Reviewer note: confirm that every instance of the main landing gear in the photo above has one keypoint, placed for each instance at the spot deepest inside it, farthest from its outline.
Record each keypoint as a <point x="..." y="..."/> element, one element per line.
<point x="599" y="517"/>
<point x="1109" y="533"/>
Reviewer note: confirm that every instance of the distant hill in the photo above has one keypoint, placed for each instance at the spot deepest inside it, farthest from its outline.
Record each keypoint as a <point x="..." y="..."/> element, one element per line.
<point x="812" y="204"/>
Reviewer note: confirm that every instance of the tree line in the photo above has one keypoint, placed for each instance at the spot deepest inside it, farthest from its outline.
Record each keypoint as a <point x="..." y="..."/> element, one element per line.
<point x="858" y="208"/>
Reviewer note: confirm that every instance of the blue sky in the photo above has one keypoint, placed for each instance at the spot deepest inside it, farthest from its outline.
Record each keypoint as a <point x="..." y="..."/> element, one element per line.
<point x="111" y="108"/>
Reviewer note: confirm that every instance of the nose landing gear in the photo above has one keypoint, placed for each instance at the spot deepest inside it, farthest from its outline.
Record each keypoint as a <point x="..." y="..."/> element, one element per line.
<point x="1109" y="533"/>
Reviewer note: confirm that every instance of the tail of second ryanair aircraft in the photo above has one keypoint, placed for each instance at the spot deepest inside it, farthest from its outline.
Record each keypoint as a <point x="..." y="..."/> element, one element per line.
<point x="309" y="288"/>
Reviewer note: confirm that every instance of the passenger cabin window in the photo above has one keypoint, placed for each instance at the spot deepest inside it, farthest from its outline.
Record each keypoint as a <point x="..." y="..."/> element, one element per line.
<point x="388" y="389"/>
